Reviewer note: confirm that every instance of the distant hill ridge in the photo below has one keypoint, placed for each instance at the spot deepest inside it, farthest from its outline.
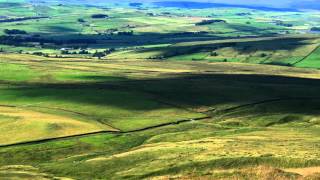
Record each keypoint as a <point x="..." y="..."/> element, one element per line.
<point x="203" y="5"/>
<point x="270" y="5"/>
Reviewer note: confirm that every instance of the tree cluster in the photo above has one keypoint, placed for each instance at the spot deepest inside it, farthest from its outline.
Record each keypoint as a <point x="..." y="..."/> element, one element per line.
<point x="212" y="21"/>
<point x="14" y="31"/>
<point x="21" y="19"/>
<point x="99" y="16"/>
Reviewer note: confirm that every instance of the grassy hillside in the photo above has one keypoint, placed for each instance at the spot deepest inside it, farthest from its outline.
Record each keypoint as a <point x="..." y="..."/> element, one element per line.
<point x="125" y="92"/>
<point x="239" y="107"/>
<point x="285" y="50"/>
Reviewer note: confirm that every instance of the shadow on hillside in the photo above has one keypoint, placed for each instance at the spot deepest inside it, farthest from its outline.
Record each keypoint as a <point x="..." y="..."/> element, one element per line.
<point x="242" y="47"/>
<point x="202" y="90"/>
<point x="261" y="31"/>
<point x="61" y="29"/>
<point x="73" y="38"/>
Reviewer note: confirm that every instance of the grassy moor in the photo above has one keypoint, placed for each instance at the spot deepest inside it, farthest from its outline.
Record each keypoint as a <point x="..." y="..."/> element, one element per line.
<point x="159" y="90"/>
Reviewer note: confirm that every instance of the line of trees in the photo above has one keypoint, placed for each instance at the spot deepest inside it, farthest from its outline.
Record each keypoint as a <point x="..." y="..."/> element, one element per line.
<point x="125" y="33"/>
<point x="98" y="54"/>
<point x="212" y="21"/>
<point x="99" y="16"/>
<point x="19" y="40"/>
<point x="14" y="31"/>
<point x="281" y="23"/>
<point x="21" y="19"/>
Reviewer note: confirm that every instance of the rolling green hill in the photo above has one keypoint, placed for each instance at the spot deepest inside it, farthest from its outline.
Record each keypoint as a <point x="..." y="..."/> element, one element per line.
<point x="126" y="92"/>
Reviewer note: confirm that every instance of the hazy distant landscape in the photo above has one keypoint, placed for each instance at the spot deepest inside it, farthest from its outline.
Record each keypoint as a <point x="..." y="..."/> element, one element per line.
<point x="159" y="89"/>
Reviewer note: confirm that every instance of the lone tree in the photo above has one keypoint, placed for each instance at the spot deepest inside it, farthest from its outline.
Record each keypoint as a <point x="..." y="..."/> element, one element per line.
<point x="99" y="55"/>
<point x="263" y="55"/>
<point x="80" y="20"/>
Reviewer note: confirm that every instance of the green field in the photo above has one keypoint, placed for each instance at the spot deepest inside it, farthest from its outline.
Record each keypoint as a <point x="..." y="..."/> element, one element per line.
<point x="147" y="94"/>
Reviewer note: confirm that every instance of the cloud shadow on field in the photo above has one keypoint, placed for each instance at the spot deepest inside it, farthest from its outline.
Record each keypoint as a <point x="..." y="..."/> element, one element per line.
<point x="192" y="91"/>
<point x="244" y="46"/>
